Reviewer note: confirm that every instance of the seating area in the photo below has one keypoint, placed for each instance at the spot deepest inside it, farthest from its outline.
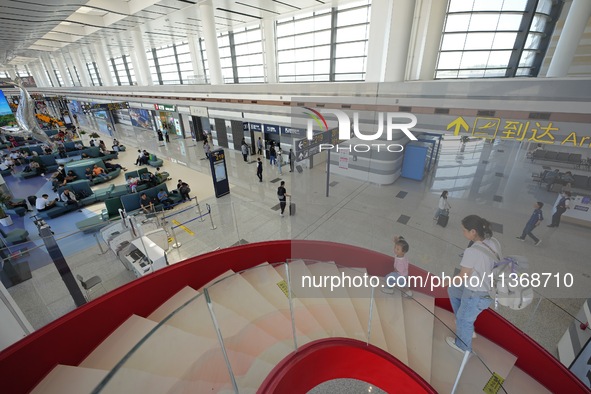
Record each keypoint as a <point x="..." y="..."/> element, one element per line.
<point x="574" y="159"/>
<point x="15" y="236"/>
<point x="79" y="167"/>
<point x="86" y="196"/>
<point x="131" y="202"/>
<point x="551" y="178"/>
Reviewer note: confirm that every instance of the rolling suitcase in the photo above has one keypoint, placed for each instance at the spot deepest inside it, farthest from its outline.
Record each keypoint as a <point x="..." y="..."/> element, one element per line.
<point x="443" y="219"/>
<point x="299" y="168"/>
<point x="292" y="208"/>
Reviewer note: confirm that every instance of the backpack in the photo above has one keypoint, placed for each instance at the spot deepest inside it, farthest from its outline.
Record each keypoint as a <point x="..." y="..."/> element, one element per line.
<point x="506" y="288"/>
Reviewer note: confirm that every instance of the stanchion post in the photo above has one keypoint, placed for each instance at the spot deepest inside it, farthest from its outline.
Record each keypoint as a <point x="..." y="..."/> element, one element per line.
<point x="213" y="227"/>
<point x="99" y="245"/>
<point x="201" y="218"/>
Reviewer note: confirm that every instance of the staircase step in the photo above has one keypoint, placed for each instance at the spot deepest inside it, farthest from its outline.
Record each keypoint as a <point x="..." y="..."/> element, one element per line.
<point x="236" y="294"/>
<point x="167" y="352"/>
<point x="339" y="300"/>
<point x="360" y="297"/>
<point x="313" y="299"/>
<point x="65" y="379"/>
<point x="520" y="382"/>
<point x="217" y="279"/>
<point x="173" y="303"/>
<point x="418" y="323"/>
<point x="446" y="361"/>
<point x="266" y="280"/>
<point x="392" y="315"/>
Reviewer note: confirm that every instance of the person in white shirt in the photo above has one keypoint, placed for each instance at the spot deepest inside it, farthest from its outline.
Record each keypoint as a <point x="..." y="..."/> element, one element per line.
<point x="42" y="203"/>
<point x="472" y="297"/>
<point x="443" y="205"/>
<point x="69" y="198"/>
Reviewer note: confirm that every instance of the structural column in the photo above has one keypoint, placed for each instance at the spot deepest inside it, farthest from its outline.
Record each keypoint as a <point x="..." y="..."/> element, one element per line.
<point x="46" y="62"/>
<point x="572" y="31"/>
<point x="196" y="59"/>
<point x="399" y="39"/>
<point x="103" y="66"/>
<point x="61" y="66"/>
<point x="139" y="60"/>
<point x="432" y="39"/>
<point x="211" y="43"/>
<point x="378" y="39"/>
<point x="80" y="68"/>
<point x="269" y="50"/>
<point x="11" y="73"/>
<point x="40" y="79"/>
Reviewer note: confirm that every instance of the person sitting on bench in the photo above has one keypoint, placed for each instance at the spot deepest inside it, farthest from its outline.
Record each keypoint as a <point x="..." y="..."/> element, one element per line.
<point x="43" y="204"/>
<point x="69" y="198"/>
<point x="146" y="203"/>
<point x="164" y="199"/>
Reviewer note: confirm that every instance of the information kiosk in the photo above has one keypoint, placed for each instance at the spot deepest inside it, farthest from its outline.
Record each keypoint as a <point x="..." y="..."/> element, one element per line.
<point x="219" y="174"/>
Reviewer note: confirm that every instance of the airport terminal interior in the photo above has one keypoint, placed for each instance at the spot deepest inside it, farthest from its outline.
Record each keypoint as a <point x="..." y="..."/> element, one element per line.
<point x="208" y="107"/>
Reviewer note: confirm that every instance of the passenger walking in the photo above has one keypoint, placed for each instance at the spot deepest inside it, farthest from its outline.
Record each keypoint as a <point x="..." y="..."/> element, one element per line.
<point x="260" y="169"/>
<point x="282" y="195"/>
<point x="206" y="148"/>
<point x="472" y="296"/>
<point x="399" y="277"/>
<point x="260" y="146"/>
<point x="244" y="148"/>
<point x="443" y="206"/>
<point x="279" y="159"/>
<point x="272" y="154"/>
<point x="536" y="218"/>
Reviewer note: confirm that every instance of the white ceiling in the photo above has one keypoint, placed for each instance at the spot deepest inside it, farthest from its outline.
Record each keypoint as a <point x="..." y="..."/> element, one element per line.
<point x="32" y="28"/>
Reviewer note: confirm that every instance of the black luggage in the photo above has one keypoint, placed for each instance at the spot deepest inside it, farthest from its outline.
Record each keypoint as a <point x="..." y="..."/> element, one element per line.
<point x="299" y="168"/>
<point x="32" y="200"/>
<point x="443" y="219"/>
<point x="292" y="208"/>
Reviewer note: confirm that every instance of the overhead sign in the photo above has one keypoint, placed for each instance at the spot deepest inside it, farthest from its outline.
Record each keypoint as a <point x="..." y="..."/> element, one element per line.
<point x="165" y="107"/>
<point x="271" y="129"/>
<point x="199" y="111"/>
<point x="107" y="106"/>
<point x="305" y="148"/>
<point x="540" y="132"/>
<point x="293" y="131"/>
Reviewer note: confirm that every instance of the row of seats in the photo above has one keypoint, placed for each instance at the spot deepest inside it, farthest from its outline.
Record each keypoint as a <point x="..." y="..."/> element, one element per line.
<point x="561" y="157"/>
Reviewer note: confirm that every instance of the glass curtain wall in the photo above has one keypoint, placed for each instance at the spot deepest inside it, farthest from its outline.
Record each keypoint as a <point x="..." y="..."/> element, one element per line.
<point x="493" y="38"/>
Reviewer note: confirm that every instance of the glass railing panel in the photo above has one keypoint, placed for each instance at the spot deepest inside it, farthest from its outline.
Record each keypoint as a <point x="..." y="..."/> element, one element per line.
<point x="180" y="352"/>
<point x="252" y="312"/>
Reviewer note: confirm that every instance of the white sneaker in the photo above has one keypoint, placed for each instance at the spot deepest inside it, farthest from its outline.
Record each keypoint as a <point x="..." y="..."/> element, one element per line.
<point x="387" y="290"/>
<point x="280" y="214"/>
<point x="452" y="344"/>
<point x="539" y="242"/>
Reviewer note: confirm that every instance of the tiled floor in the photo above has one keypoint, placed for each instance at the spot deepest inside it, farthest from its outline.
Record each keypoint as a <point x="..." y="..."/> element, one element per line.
<point x="356" y="213"/>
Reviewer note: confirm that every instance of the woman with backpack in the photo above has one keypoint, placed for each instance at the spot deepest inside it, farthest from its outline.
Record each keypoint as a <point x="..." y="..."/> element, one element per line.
<point x="443" y="206"/>
<point x="472" y="296"/>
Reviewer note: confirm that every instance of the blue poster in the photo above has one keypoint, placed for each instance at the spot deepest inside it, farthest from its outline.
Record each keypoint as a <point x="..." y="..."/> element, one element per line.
<point x="140" y="118"/>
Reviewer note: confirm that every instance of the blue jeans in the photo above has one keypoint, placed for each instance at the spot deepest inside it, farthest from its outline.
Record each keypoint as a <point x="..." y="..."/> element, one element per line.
<point x="467" y="305"/>
<point x="528" y="231"/>
<point x="394" y="281"/>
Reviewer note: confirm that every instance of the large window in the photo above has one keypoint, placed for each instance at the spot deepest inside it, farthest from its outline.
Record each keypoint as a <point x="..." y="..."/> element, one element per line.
<point x="303" y="47"/>
<point x="23" y="71"/>
<point x="326" y="45"/>
<point x="248" y="53"/>
<point x="492" y="38"/>
<point x="122" y="70"/>
<point x="171" y="65"/>
<point x="56" y="72"/>
<point x="352" y="34"/>
<point x="95" y="78"/>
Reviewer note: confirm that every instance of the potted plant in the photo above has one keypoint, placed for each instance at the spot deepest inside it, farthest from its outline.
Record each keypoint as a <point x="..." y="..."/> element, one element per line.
<point x="94" y="135"/>
<point x="5" y="219"/>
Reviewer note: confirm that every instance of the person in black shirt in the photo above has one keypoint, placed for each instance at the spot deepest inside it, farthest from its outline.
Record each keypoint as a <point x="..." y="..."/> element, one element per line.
<point x="260" y="169"/>
<point x="146" y="203"/>
<point x="282" y="195"/>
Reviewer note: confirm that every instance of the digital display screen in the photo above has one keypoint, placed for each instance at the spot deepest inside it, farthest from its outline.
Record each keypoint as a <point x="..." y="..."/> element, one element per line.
<point x="220" y="171"/>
